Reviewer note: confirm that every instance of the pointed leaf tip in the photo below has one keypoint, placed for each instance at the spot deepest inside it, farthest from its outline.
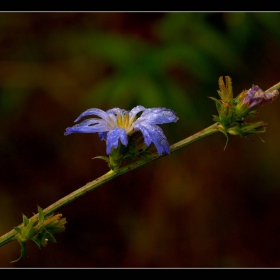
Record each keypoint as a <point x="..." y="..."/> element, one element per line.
<point x="22" y="252"/>
<point x="102" y="157"/>
<point x="41" y="214"/>
<point x="25" y="220"/>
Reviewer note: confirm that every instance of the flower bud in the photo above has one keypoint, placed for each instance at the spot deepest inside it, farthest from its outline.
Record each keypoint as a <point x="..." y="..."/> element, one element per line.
<point x="247" y="101"/>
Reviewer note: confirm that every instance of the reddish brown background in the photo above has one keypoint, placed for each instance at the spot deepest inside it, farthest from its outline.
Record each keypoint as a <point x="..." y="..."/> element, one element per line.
<point x="199" y="207"/>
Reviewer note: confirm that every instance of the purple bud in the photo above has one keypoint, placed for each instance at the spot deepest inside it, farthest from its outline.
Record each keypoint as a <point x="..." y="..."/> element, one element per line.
<point x="255" y="96"/>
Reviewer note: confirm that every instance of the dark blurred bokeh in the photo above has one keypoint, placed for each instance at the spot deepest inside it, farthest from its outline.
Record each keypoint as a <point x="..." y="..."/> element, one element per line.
<point x="202" y="206"/>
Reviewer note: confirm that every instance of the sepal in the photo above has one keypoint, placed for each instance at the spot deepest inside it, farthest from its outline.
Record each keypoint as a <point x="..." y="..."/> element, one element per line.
<point x="244" y="129"/>
<point x="39" y="229"/>
<point x="102" y="157"/>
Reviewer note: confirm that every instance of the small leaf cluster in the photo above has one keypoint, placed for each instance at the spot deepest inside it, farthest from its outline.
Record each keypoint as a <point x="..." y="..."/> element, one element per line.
<point x="39" y="229"/>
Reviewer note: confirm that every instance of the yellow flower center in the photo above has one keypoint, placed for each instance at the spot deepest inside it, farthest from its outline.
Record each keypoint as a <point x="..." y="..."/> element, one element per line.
<point x="123" y="121"/>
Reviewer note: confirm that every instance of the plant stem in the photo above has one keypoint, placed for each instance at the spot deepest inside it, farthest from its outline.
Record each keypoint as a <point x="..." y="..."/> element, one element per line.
<point x="275" y="87"/>
<point x="10" y="236"/>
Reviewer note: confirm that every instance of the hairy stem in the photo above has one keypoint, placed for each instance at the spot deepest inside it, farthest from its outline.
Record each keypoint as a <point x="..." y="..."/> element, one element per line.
<point x="275" y="87"/>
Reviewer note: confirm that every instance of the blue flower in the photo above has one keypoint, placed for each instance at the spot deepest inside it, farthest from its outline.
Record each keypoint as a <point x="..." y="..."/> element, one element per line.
<point x="117" y="124"/>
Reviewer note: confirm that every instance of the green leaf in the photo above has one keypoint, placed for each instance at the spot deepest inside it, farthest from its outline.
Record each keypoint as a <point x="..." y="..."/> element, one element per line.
<point x="41" y="214"/>
<point x="218" y="103"/>
<point x="104" y="158"/>
<point x="215" y="99"/>
<point x="17" y="229"/>
<point x="225" y="133"/>
<point x="51" y="238"/>
<point x="22" y="252"/>
<point x="29" y="231"/>
<point x="25" y="220"/>
<point x="37" y="242"/>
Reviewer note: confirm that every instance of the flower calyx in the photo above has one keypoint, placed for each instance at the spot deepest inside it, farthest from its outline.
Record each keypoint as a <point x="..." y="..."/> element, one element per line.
<point x="39" y="229"/>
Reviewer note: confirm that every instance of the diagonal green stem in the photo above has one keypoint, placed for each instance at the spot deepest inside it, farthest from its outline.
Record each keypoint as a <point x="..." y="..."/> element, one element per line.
<point x="10" y="236"/>
<point x="275" y="87"/>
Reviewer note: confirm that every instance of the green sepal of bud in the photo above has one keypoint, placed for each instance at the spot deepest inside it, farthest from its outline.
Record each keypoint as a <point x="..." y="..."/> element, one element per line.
<point x="17" y="229"/>
<point x="135" y="148"/>
<point x="243" y="129"/>
<point x="39" y="229"/>
<point x="225" y="91"/>
<point x="246" y="129"/>
<point x="41" y="214"/>
<point x="115" y="157"/>
<point x="242" y="110"/>
<point x="104" y="158"/>
<point x="25" y="220"/>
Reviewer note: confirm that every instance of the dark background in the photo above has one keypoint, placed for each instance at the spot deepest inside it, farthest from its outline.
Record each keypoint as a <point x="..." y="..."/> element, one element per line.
<point x="201" y="206"/>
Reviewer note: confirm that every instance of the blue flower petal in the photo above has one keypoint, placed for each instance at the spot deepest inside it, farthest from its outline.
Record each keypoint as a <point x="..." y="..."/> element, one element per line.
<point x="113" y="137"/>
<point x="157" y="116"/>
<point x="116" y="111"/>
<point x="153" y="133"/>
<point x="103" y="135"/>
<point x="93" y="121"/>
<point x="85" y="129"/>
<point x="88" y="126"/>
<point x="94" y="111"/>
<point x="134" y="111"/>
